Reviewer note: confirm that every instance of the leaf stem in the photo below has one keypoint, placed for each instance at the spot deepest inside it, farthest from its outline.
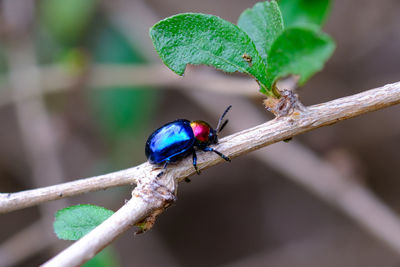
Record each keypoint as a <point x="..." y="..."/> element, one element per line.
<point x="275" y="91"/>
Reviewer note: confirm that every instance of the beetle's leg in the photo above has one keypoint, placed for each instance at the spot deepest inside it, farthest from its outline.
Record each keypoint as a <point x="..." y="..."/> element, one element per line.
<point x="163" y="170"/>
<point x="187" y="180"/>
<point x="217" y="152"/>
<point x="195" y="162"/>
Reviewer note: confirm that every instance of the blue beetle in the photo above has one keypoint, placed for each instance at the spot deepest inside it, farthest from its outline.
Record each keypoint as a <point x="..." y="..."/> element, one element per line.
<point x="177" y="139"/>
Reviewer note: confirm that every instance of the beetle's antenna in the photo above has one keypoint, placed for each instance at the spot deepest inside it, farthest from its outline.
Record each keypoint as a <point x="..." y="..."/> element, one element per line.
<point x="221" y="125"/>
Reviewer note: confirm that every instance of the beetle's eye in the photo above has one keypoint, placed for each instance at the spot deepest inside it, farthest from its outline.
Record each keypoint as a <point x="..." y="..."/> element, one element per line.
<point x="213" y="138"/>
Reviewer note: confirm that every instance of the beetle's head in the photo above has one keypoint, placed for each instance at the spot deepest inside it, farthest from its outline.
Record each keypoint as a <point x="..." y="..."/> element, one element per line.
<point x="205" y="134"/>
<point x="202" y="132"/>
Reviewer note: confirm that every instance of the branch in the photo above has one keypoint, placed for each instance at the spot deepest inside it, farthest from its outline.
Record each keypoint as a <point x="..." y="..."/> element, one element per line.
<point x="234" y="145"/>
<point x="14" y="201"/>
<point x="147" y="197"/>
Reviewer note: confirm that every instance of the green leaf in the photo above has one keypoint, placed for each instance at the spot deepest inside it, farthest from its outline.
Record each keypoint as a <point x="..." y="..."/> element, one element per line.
<point x="74" y="222"/>
<point x="205" y="39"/>
<point x="300" y="51"/>
<point x="300" y="12"/>
<point x="263" y="23"/>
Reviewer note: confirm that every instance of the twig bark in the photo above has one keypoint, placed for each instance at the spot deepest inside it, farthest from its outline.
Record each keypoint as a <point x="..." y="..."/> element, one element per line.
<point x="234" y="145"/>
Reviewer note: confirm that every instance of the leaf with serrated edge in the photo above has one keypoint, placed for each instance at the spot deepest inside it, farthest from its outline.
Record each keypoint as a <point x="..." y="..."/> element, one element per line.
<point x="192" y="38"/>
<point x="73" y="222"/>
<point x="298" y="50"/>
<point x="263" y="23"/>
<point x="300" y="12"/>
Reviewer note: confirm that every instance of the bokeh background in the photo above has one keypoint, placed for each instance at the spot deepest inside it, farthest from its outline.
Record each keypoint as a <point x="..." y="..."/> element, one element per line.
<point x="81" y="88"/>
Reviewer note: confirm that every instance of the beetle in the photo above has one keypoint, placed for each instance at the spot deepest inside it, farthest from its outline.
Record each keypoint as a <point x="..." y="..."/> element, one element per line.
<point x="178" y="139"/>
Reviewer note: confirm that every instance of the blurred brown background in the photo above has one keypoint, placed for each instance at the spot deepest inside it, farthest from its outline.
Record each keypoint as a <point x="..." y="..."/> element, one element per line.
<point x="246" y="213"/>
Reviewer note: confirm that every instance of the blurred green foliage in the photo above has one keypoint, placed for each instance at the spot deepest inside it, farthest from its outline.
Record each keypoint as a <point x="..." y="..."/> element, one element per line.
<point x="68" y="20"/>
<point x="121" y="111"/>
<point x="76" y="34"/>
<point x="3" y="63"/>
<point x="106" y="258"/>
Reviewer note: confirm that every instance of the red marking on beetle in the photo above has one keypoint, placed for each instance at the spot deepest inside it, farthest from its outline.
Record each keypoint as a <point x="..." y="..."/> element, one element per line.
<point x="201" y="130"/>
